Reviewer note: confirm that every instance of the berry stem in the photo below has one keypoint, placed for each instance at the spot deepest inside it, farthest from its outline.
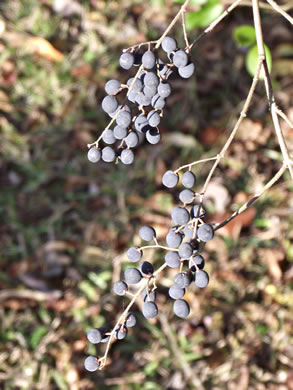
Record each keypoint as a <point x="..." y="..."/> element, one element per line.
<point x="157" y="246"/>
<point x="194" y="163"/>
<point x="103" y="360"/>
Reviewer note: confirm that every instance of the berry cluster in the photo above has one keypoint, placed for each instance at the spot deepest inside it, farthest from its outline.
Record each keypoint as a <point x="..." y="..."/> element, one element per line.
<point x="138" y="115"/>
<point x="185" y="241"/>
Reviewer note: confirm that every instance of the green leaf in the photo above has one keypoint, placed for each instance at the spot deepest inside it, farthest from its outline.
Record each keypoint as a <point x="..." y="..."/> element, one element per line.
<point x="244" y="35"/>
<point x="151" y="368"/>
<point x="37" y="336"/>
<point x="251" y="61"/>
<point x="101" y="279"/>
<point x="206" y="15"/>
<point x="88" y="289"/>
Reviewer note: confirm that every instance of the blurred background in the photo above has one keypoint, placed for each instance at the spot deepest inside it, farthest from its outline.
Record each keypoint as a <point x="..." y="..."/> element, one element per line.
<point x="66" y="223"/>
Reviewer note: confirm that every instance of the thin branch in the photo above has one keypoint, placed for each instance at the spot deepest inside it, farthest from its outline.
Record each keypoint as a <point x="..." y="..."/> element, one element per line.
<point x="253" y="199"/>
<point x="284" y="116"/>
<point x="268" y="85"/>
<point x="103" y="360"/>
<point x="194" y="163"/>
<point x="281" y="11"/>
<point x="234" y="131"/>
<point x="185" y="31"/>
<point x="172" y="24"/>
<point x="157" y="246"/>
<point x="215" y="22"/>
<point x="262" y="5"/>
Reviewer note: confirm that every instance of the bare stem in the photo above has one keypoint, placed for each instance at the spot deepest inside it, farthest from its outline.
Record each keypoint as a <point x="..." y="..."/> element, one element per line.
<point x="172" y="24"/>
<point x="281" y="11"/>
<point x="194" y="163"/>
<point x="157" y="246"/>
<point x="284" y="116"/>
<point x="255" y="197"/>
<point x="235" y="129"/>
<point x="184" y="31"/>
<point x="268" y="85"/>
<point x="215" y="22"/>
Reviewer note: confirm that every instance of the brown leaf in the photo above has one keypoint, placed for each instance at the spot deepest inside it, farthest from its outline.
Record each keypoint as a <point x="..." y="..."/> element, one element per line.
<point x="210" y="135"/>
<point x="234" y="227"/>
<point x="272" y="257"/>
<point x="43" y="48"/>
<point x="83" y="70"/>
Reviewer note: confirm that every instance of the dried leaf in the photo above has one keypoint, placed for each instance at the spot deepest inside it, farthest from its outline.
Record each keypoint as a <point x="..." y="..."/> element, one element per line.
<point x="210" y="135"/>
<point x="272" y="257"/>
<point x="43" y="48"/>
<point x="83" y="70"/>
<point x="234" y="227"/>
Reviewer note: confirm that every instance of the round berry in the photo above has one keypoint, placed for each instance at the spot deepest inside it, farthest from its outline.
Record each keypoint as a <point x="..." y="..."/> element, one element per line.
<point x="182" y="279"/>
<point x="169" y="44"/>
<point x="181" y="308"/>
<point x="164" y="89"/>
<point x="108" y="154"/>
<point x="185" y="250"/>
<point x="205" y="232"/>
<point x="201" y="278"/>
<point x="134" y="254"/>
<point x="180" y="59"/>
<point x="94" y="336"/>
<point x="186" y="196"/>
<point x="188" y="179"/>
<point x="170" y="179"/>
<point x="172" y="259"/>
<point x="153" y="136"/>
<point x="91" y="363"/>
<point x="127" y="156"/>
<point x="186" y="71"/>
<point x="126" y="60"/>
<point x="176" y="292"/>
<point x="120" y="287"/>
<point x="132" y="275"/>
<point x="149" y="310"/>
<point x="108" y="137"/>
<point x="132" y="139"/>
<point x="109" y="104"/>
<point x="147" y="268"/>
<point x="148" y="59"/>
<point x="94" y="154"/>
<point x="174" y="239"/>
<point x="180" y="215"/>
<point x="147" y="233"/>
<point x="112" y="87"/>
